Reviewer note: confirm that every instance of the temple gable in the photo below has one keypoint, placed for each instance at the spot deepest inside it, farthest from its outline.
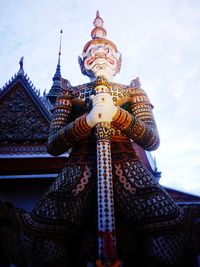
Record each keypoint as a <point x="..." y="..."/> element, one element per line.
<point x="23" y="117"/>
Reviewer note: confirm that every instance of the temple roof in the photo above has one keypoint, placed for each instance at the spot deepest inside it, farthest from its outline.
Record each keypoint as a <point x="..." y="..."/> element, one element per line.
<point x="183" y="197"/>
<point x="25" y="116"/>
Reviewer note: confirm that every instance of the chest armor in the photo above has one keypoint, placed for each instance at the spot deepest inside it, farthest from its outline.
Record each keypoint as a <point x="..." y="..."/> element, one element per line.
<point x="81" y="96"/>
<point x="81" y="102"/>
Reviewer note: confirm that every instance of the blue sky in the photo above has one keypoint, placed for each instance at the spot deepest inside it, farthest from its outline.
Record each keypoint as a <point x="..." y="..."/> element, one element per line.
<point x="159" y="41"/>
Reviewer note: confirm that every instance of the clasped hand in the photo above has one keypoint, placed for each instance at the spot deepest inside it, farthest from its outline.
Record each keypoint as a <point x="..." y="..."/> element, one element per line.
<point x="103" y="109"/>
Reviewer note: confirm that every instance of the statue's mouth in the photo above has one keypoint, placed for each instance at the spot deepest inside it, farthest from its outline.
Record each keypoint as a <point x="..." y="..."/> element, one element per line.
<point x="100" y="56"/>
<point x="101" y="67"/>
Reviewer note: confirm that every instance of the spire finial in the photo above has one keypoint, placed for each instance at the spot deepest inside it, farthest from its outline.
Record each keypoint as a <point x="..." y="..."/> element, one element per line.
<point x="57" y="75"/>
<point x="59" y="53"/>
<point x="21" y="70"/>
<point x="98" y="21"/>
<point x="98" y="31"/>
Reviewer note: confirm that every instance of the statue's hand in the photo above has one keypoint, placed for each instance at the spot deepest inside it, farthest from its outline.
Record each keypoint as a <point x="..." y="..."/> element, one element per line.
<point x="101" y="99"/>
<point x="103" y="109"/>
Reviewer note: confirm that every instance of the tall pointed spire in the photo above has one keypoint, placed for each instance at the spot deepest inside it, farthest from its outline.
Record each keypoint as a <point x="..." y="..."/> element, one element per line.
<point x="59" y="53"/>
<point x="58" y="71"/>
<point x="56" y="88"/>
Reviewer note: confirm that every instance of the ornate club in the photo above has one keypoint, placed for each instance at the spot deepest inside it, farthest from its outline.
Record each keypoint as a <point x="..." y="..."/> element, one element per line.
<point x="106" y="221"/>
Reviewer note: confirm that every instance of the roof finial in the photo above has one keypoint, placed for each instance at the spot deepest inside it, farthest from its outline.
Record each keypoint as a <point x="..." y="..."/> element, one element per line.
<point x="59" y="54"/>
<point x="21" y="62"/>
<point x="21" y="70"/>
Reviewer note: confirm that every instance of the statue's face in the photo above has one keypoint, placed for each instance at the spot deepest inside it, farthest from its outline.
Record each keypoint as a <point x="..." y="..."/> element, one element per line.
<point x="101" y="59"/>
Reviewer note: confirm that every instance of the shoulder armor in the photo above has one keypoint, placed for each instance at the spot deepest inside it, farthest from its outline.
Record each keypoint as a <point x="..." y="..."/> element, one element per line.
<point x="65" y="84"/>
<point x="138" y="96"/>
<point x="63" y="101"/>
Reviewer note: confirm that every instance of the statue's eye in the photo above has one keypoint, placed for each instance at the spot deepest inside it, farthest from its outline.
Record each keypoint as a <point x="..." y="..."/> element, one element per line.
<point x="92" y="50"/>
<point x="107" y="49"/>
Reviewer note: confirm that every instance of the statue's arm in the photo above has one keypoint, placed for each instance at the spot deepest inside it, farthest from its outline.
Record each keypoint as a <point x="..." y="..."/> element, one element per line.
<point x="63" y="132"/>
<point x="139" y="125"/>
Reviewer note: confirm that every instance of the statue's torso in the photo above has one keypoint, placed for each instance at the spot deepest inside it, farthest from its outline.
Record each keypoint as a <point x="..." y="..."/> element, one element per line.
<point x="122" y="146"/>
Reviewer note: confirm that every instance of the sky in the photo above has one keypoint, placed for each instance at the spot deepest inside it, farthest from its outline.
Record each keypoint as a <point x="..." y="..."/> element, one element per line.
<point x="160" y="43"/>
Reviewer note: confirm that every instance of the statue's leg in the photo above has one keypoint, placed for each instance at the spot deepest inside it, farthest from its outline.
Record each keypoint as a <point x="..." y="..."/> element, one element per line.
<point x="168" y="249"/>
<point x="31" y="250"/>
<point x="52" y="234"/>
<point x="9" y="236"/>
<point x="146" y="208"/>
<point x="4" y="261"/>
<point x="60" y="219"/>
<point x="43" y="252"/>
